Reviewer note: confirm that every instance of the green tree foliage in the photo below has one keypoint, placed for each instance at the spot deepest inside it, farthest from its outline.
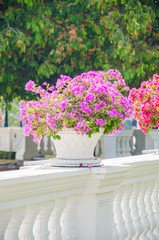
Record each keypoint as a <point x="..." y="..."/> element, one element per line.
<point x="42" y="39"/>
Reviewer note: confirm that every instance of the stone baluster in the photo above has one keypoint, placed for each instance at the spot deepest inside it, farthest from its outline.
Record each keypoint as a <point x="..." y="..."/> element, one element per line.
<point x="127" y="146"/>
<point x="13" y="227"/>
<point x="121" y="142"/>
<point x="124" y="146"/>
<point x="45" y="141"/>
<point x="130" y="230"/>
<point x="118" y="145"/>
<point x="150" y="212"/>
<point x="134" y="211"/>
<point x="52" y="146"/>
<point x="155" y="206"/>
<point x="119" y="224"/>
<point x="46" y="146"/>
<point x="40" y="228"/>
<point x="54" y="221"/>
<point x="26" y="229"/>
<point x="142" y="211"/>
<point x="68" y="220"/>
<point x="39" y="146"/>
<point x="127" y="135"/>
<point x="155" y="137"/>
<point x="4" y="220"/>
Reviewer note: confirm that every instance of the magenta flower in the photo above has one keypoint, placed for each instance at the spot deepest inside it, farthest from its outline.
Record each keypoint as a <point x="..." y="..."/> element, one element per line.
<point x="51" y="88"/>
<point x="63" y="104"/>
<point x="85" y="103"/>
<point x="89" y="97"/>
<point x="29" y="86"/>
<point x="89" y="166"/>
<point x="45" y="84"/>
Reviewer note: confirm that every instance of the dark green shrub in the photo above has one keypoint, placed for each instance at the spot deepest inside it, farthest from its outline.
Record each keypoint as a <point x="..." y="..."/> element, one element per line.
<point x="7" y="155"/>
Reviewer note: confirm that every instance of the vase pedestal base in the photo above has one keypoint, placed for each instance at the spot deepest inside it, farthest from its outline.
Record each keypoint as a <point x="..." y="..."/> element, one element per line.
<point x="59" y="162"/>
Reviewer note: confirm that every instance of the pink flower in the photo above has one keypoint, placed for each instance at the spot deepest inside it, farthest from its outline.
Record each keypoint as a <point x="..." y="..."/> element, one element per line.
<point x="63" y="104"/>
<point x="45" y="84"/>
<point x="29" y="86"/>
<point x="60" y="83"/>
<point x="85" y="103"/>
<point x="145" y="101"/>
<point x="89" y="97"/>
<point x="28" y="128"/>
<point x="26" y="131"/>
<point x="89" y="166"/>
<point x="51" y="88"/>
<point x="155" y="76"/>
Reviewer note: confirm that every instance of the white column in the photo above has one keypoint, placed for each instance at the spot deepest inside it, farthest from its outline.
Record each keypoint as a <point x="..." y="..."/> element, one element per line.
<point x="125" y="205"/>
<point x="68" y="220"/>
<point x="150" y="212"/>
<point x="144" y="226"/>
<point x="26" y="229"/>
<point x="107" y="147"/>
<point x="134" y="208"/>
<point x="155" y="137"/>
<point x="40" y="228"/>
<point x="155" y="206"/>
<point x="104" y="216"/>
<point x="54" y="221"/>
<point x="95" y="217"/>
<point x="118" y="145"/>
<point x="119" y="223"/>
<point x="13" y="227"/>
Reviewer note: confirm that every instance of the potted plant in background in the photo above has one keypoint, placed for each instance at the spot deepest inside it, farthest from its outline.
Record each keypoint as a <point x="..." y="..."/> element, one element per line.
<point x="145" y="102"/>
<point x="76" y="112"/>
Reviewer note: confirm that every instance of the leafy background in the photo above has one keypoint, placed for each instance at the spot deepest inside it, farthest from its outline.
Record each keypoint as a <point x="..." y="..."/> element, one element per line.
<point x="42" y="39"/>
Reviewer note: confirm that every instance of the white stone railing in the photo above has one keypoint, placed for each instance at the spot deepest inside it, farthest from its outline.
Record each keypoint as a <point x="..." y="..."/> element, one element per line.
<point x="29" y="149"/>
<point x="125" y="143"/>
<point x="12" y="139"/>
<point x="136" y="202"/>
<point x="117" y="201"/>
<point x="118" y="145"/>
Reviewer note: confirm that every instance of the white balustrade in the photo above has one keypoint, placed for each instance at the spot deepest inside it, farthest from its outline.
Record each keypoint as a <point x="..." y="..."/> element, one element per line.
<point x="118" y="145"/>
<point x="118" y="201"/>
<point x="125" y="143"/>
<point x="12" y="139"/>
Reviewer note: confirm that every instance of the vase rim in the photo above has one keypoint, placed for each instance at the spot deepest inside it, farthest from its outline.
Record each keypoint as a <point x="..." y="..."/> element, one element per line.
<point x="73" y="130"/>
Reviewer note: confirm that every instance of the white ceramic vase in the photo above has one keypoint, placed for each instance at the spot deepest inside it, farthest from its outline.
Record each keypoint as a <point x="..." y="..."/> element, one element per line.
<point x="75" y="150"/>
